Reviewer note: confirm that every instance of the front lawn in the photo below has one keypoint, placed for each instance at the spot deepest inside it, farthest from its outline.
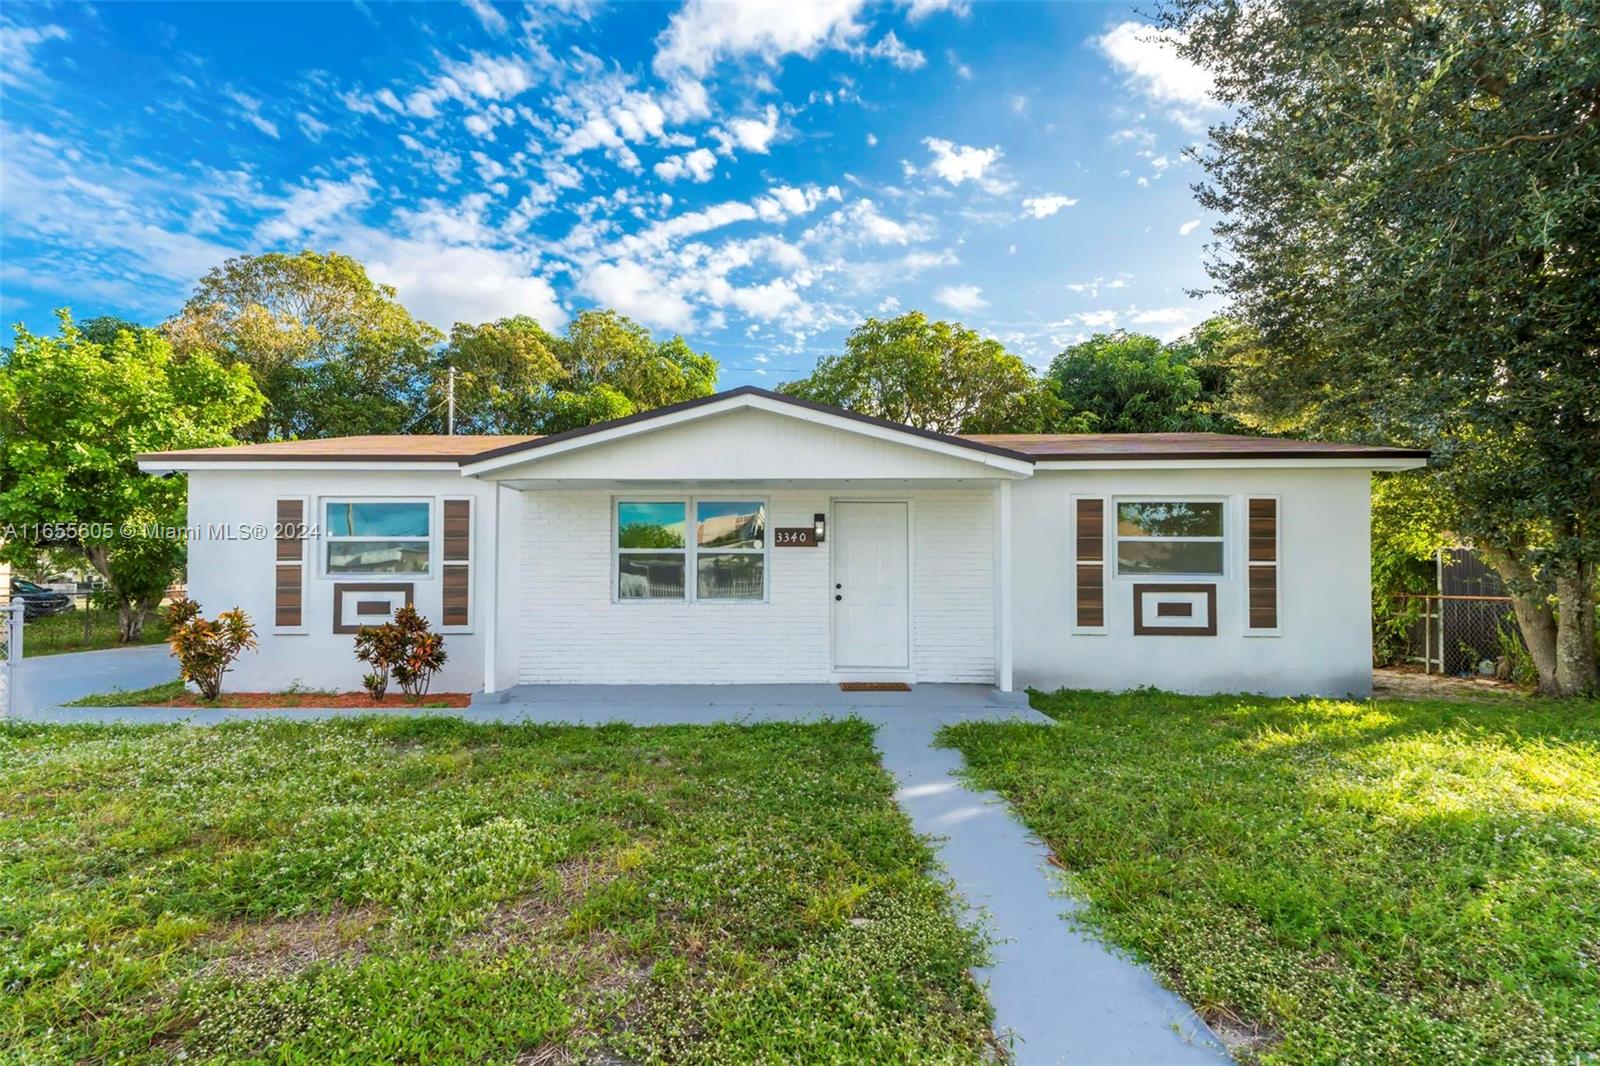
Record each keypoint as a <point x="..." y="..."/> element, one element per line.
<point x="1396" y="882"/>
<point x="64" y="632"/>
<point x="425" y="890"/>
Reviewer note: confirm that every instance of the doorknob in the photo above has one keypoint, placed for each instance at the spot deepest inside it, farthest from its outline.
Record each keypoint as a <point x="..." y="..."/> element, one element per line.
<point x="837" y="585"/>
<point x="838" y="597"/>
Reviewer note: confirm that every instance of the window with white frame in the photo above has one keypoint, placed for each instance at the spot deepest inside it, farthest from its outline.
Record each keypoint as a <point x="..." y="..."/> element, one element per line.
<point x="1179" y="538"/>
<point x="722" y="543"/>
<point x="376" y="536"/>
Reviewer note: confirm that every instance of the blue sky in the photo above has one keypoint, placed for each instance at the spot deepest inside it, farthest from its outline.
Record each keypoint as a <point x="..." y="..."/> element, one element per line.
<point x="759" y="177"/>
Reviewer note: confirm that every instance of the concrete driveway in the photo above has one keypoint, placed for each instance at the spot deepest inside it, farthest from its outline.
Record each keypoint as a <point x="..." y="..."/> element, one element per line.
<point x="1059" y="995"/>
<point x="47" y="681"/>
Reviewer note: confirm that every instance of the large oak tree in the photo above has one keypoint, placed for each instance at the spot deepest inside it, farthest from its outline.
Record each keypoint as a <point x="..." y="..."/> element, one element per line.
<point x="1410" y="203"/>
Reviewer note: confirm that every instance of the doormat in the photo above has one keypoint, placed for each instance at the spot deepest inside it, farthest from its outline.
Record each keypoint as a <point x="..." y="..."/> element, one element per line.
<point x="874" y="686"/>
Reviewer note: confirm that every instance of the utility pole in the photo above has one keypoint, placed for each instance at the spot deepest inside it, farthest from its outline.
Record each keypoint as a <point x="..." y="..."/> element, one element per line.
<point x="450" y="404"/>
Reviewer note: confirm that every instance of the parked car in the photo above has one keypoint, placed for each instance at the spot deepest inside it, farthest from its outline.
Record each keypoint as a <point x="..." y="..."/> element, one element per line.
<point x="39" y="601"/>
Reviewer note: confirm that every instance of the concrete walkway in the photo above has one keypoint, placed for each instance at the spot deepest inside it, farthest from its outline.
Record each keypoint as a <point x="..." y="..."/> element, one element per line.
<point x="1060" y="996"/>
<point x="46" y="681"/>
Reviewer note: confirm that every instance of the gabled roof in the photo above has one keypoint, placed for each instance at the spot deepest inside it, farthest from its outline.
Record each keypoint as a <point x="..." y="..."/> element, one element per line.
<point x="1016" y="451"/>
<point x="731" y="399"/>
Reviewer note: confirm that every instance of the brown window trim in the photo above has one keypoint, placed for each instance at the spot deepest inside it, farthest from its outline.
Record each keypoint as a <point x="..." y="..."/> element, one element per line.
<point x="1141" y="630"/>
<point x="342" y="587"/>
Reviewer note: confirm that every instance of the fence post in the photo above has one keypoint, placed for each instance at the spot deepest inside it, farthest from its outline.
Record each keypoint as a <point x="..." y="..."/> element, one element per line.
<point x="11" y="618"/>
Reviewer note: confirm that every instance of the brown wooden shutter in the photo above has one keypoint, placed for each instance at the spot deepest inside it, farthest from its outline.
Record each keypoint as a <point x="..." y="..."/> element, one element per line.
<point x="288" y="591"/>
<point x="1090" y="539"/>
<point x="457" y="570"/>
<point x="1262" y="563"/>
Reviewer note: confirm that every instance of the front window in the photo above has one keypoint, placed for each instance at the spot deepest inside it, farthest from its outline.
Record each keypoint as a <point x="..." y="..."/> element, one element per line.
<point x="376" y="536"/>
<point x="730" y="550"/>
<point x="721" y="543"/>
<point x="1170" y="537"/>
<point x="652" y="554"/>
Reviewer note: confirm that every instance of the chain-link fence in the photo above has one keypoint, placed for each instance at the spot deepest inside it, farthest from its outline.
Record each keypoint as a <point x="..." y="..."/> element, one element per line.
<point x="1457" y="634"/>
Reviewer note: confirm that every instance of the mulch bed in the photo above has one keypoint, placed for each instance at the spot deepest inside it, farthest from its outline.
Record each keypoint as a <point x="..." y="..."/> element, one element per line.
<point x="319" y="699"/>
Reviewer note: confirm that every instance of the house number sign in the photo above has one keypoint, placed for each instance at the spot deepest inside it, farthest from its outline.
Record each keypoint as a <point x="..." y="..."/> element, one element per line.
<point x="795" y="537"/>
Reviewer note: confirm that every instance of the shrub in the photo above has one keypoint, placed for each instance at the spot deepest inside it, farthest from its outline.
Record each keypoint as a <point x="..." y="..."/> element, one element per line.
<point x="206" y="648"/>
<point x="404" y="647"/>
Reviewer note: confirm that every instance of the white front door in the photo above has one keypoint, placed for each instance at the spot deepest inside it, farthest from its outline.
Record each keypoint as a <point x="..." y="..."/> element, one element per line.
<point x="871" y="586"/>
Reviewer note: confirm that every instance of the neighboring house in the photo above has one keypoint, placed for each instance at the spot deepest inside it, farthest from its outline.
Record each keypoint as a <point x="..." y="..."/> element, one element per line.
<point x="681" y="545"/>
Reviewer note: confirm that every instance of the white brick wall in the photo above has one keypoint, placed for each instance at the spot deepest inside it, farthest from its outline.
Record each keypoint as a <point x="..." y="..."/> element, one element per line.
<point x="572" y="631"/>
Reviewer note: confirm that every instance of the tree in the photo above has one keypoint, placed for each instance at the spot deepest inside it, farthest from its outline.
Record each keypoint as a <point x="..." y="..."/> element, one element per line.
<point x="333" y="352"/>
<point x="1126" y="383"/>
<point x="514" y="376"/>
<point x="932" y="375"/>
<point x="1410" y="199"/>
<point x="74" y="416"/>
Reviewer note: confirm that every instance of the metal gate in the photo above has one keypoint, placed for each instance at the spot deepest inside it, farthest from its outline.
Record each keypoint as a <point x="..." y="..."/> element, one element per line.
<point x="10" y="653"/>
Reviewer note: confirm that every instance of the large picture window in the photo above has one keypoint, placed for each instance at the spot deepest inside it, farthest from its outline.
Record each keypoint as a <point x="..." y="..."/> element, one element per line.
<point x="1170" y="537"/>
<point x="376" y="536"/>
<point x="722" y="544"/>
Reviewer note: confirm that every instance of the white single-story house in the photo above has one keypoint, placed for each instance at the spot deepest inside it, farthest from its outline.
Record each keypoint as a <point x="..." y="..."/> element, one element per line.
<point x="754" y="537"/>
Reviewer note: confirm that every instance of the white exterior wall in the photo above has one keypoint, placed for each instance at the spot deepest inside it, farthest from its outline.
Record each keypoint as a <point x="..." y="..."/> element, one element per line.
<point x="574" y="630"/>
<point x="1325" y="646"/>
<point x="227" y="573"/>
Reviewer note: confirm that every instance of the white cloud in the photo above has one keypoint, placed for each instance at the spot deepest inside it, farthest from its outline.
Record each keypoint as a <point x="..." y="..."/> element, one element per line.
<point x="638" y="292"/>
<point x="1045" y="206"/>
<point x="1098" y="319"/>
<point x="1159" y="316"/>
<point x="311" y="126"/>
<point x="1148" y="60"/>
<point x="492" y="20"/>
<point x="444" y="284"/>
<point x="890" y="47"/>
<point x="872" y="140"/>
<point x="17" y="68"/>
<point x="703" y="32"/>
<point x="963" y="298"/>
<point x="918" y="10"/>
<point x="959" y="163"/>
<point x="250" y="111"/>
<point x="698" y="166"/>
<point x="313" y="206"/>
<point x="755" y="134"/>
<point x="784" y="201"/>
<point x="1018" y="104"/>
<point x="1188" y="227"/>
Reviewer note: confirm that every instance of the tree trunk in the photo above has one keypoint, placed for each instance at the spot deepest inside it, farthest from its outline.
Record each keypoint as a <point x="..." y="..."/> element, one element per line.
<point x="1534" y="616"/>
<point x="1575" y="673"/>
<point x="130" y="620"/>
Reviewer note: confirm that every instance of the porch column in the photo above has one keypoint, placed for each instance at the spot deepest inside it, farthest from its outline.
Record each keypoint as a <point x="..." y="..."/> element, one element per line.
<point x="491" y="616"/>
<point x="1002" y="597"/>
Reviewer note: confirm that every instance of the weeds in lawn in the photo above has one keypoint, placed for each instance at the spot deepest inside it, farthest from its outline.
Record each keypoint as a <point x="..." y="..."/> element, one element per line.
<point x="1333" y="882"/>
<point x="424" y="890"/>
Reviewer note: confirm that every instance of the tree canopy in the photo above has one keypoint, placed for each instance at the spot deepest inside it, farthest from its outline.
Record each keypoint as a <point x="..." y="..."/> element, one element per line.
<point x="1410" y="197"/>
<point x="74" y="414"/>
<point x="932" y="375"/>
<point x="514" y="376"/>
<point x="332" y="352"/>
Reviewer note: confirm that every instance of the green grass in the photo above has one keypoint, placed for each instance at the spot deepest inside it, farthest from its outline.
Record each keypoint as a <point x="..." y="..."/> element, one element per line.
<point x="64" y="632"/>
<point x="133" y="697"/>
<point x="1330" y="881"/>
<point x="425" y="890"/>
